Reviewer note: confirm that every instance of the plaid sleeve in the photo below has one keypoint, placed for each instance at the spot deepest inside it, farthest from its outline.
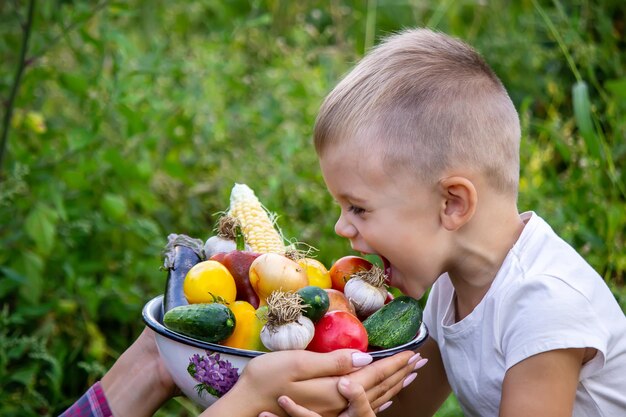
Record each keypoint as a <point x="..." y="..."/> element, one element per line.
<point x="93" y="403"/>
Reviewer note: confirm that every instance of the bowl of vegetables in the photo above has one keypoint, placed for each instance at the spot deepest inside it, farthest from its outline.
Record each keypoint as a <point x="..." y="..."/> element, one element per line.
<point x="242" y="293"/>
<point x="205" y="371"/>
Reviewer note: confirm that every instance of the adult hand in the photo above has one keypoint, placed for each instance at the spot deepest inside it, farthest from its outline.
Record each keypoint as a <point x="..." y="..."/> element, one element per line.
<point x="303" y="375"/>
<point x="315" y="384"/>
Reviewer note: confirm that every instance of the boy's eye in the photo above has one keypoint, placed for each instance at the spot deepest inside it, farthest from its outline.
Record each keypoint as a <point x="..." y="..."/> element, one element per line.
<point x="356" y="210"/>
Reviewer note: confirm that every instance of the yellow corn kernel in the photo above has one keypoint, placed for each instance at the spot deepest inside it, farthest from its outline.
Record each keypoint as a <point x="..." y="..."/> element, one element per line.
<point x="256" y="224"/>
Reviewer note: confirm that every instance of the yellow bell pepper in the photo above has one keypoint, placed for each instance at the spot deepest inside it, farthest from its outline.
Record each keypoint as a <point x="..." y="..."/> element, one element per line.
<point x="248" y="325"/>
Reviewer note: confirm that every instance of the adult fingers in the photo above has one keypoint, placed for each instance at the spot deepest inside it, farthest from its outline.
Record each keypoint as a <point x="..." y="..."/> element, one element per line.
<point x="389" y="388"/>
<point x="307" y="365"/>
<point x="359" y="405"/>
<point x="398" y="365"/>
<point x="384" y="375"/>
<point x="380" y="401"/>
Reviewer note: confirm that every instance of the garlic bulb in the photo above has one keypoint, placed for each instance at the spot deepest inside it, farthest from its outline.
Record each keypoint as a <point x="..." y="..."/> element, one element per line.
<point x="225" y="240"/>
<point x="290" y="336"/>
<point x="367" y="291"/>
<point x="286" y="327"/>
<point x="216" y="244"/>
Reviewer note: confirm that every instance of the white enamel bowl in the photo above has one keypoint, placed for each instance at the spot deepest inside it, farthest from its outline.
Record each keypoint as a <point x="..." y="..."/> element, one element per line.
<point x="205" y="371"/>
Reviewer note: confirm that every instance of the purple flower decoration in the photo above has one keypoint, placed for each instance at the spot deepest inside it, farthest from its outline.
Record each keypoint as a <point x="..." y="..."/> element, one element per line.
<point x="215" y="376"/>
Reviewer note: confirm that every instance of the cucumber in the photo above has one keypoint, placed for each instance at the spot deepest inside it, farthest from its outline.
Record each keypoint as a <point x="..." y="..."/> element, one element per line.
<point x="210" y="322"/>
<point x="180" y="254"/>
<point x="316" y="302"/>
<point x="394" y="324"/>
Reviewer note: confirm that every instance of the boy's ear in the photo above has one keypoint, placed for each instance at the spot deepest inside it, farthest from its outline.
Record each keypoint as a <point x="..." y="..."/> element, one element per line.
<point x="459" y="202"/>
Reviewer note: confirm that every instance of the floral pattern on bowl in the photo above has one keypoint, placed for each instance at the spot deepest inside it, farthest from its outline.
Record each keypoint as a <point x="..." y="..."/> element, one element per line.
<point x="214" y="375"/>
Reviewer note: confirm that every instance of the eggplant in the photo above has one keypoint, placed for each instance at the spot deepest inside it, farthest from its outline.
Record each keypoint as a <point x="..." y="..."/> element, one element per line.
<point x="180" y="254"/>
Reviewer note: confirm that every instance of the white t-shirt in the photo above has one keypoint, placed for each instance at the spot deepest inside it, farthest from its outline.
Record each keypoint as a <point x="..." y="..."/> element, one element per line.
<point x="544" y="297"/>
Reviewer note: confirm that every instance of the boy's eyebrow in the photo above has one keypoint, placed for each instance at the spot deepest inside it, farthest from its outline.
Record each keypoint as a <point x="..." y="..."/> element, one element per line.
<point x="351" y="197"/>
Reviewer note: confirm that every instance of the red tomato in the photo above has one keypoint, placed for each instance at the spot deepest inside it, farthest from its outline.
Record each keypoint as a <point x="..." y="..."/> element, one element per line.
<point x="338" y="330"/>
<point x="344" y="267"/>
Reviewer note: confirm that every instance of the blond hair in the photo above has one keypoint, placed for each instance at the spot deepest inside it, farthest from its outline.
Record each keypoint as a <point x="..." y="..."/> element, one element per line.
<point x="434" y="105"/>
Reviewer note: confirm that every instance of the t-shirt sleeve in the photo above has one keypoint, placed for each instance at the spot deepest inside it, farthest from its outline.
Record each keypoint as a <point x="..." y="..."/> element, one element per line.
<point x="544" y="313"/>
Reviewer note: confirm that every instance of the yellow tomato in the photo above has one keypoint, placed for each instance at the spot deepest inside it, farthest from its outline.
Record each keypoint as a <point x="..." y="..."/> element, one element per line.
<point x="248" y="325"/>
<point x="208" y="280"/>
<point x="316" y="272"/>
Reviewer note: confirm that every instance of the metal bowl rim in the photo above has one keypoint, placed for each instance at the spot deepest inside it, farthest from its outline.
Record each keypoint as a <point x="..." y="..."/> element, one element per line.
<point x="152" y="315"/>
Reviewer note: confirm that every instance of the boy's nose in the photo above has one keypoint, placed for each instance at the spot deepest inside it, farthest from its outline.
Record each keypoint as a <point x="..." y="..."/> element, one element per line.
<point x="344" y="228"/>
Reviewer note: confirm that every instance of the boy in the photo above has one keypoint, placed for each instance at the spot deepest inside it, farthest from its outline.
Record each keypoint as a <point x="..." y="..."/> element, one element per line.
<point x="419" y="145"/>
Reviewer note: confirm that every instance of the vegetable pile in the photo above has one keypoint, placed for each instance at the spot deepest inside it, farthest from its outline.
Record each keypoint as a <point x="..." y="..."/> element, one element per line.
<point x="245" y="289"/>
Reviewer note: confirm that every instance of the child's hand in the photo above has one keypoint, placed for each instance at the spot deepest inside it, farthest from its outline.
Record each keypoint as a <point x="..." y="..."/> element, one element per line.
<point x="358" y="404"/>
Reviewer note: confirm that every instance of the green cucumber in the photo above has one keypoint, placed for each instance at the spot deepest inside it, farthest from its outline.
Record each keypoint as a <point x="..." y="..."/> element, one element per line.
<point x="210" y="322"/>
<point x="316" y="302"/>
<point x="394" y="324"/>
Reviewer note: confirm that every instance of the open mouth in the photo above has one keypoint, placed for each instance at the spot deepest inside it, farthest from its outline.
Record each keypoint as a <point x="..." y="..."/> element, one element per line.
<point x="386" y="269"/>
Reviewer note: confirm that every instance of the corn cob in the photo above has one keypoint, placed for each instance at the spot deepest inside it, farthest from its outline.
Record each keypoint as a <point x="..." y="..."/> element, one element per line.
<point x="256" y="224"/>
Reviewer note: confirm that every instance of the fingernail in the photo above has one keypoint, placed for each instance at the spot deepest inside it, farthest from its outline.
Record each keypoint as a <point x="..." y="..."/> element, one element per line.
<point x="385" y="406"/>
<point x="415" y="357"/>
<point x="283" y="401"/>
<point x="344" y="383"/>
<point x="361" y="359"/>
<point x="409" y="379"/>
<point x="419" y="364"/>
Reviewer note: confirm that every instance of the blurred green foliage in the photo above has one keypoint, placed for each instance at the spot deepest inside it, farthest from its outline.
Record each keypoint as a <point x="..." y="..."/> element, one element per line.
<point x="134" y="119"/>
